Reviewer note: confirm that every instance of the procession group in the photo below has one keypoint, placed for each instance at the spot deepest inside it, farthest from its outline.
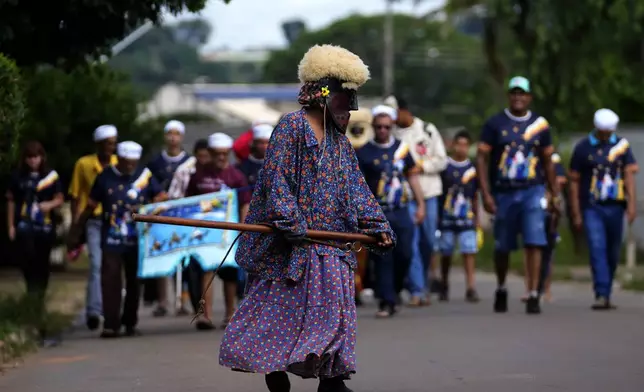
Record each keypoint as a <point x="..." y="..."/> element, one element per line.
<point x="401" y="185"/>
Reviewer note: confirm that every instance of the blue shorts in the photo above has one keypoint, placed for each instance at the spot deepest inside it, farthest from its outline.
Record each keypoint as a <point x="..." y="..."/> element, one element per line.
<point x="467" y="243"/>
<point x="520" y="211"/>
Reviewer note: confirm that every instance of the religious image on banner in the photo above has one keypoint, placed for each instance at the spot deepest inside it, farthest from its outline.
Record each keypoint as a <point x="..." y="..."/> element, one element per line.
<point x="162" y="248"/>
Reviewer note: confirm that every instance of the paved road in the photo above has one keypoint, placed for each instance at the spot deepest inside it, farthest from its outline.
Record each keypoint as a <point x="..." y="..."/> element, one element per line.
<point x="455" y="347"/>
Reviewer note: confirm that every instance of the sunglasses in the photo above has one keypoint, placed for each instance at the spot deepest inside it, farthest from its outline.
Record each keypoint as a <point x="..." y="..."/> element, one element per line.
<point x="387" y="127"/>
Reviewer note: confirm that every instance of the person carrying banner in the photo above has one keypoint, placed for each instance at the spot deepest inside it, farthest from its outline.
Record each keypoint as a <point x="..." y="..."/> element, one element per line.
<point x="193" y="273"/>
<point x="217" y="176"/>
<point x="163" y="167"/>
<point x="85" y="171"/>
<point x="120" y="190"/>
<point x="299" y="313"/>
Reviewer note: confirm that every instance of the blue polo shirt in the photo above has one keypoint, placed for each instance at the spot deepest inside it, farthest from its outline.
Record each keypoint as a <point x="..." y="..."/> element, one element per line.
<point x="460" y="185"/>
<point x="28" y="190"/>
<point x="251" y="167"/>
<point x="601" y="169"/>
<point x="163" y="167"/>
<point x="515" y="157"/>
<point x="121" y="195"/>
<point x="384" y="167"/>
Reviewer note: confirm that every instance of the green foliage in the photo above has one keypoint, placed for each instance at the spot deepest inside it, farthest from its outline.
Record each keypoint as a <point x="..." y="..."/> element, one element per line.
<point x="70" y="30"/>
<point x="12" y="111"/>
<point x="580" y="56"/>
<point x="65" y="108"/>
<point x="438" y="70"/>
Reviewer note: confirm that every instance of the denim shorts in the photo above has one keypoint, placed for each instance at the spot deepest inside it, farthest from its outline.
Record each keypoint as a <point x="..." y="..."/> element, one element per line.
<point x="466" y="241"/>
<point x="520" y="212"/>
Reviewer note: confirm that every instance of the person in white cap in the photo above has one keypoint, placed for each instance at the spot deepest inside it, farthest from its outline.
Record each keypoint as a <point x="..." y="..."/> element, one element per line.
<point x="393" y="176"/>
<point x="296" y="309"/>
<point x="242" y="145"/>
<point x="163" y="167"/>
<point x="251" y="165"/>
<point x="120" y="190"/>
<point x="428" y="150"/>
<point x="602" y="188"/>
<point x="514" y="167"/>
<point x="85" y="171"/>
<point x="216" y="176"/>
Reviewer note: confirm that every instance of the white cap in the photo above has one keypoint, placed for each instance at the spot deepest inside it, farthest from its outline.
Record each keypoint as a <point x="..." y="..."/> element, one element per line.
<point x="104" y="132"/>
<point x="386" y="110"/>
<point x="391" y="101"/>
<point x="262" y="131"/>
<point x="220" y="140"/>
<point x="129" y="150"/>
<point x="174" y="125"/>
<point x="606" y="120"/>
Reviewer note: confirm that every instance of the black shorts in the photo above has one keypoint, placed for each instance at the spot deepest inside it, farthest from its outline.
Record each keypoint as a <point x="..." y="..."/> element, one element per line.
<point x="228" y="274"/>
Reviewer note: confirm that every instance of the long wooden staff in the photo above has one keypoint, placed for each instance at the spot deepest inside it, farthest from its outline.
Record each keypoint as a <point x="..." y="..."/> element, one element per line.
<point x="313" y="234"/>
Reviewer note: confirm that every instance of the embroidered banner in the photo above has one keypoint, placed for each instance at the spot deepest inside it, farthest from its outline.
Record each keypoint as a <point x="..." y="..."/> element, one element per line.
<point x="162" y="248"/>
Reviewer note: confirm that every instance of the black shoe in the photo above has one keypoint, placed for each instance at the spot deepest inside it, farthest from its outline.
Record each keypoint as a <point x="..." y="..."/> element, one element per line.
<point x="435" y="286"/>
<point x="110" y="334"/>
<point x="205" y="325"/>
<point x="335" y="384"/>
<point x="501" y="301"/>
<point x="160" y="312"/>
<point x="472" y="296"/>
<point x="443" y="294"/>
<point x="93" y="322"/>
<point x="602" y="303"/>
<point x="533" y="305"/>
<point x="132" y="331"/>
<point x="278" y="382"/>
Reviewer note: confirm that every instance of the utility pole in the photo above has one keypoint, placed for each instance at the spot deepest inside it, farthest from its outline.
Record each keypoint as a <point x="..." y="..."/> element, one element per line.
<point x="388" y="50"/>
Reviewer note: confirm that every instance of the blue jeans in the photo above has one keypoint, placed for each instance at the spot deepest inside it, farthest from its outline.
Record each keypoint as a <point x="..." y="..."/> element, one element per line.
<point x="604" y="227"/>
<point x="391" y="268"/>
<point x="94" y="298"/>
<point x="422" y="247"/>
<point x="520" y="211"/>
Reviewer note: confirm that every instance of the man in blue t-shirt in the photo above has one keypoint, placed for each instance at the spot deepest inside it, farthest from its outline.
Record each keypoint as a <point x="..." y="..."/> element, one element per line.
<point x="120" y="190"/>
<point x="458" y="215"/>
<point x="514" y="153"/>
<point x="602" y="187"/>
<point x="392" y="176"/>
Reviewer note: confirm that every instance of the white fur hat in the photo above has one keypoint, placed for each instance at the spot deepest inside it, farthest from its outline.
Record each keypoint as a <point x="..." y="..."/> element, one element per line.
<point x="329" y="61"/>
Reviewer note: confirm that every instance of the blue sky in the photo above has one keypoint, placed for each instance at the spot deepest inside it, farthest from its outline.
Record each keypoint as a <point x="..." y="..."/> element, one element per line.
<point x="256" y="23"/>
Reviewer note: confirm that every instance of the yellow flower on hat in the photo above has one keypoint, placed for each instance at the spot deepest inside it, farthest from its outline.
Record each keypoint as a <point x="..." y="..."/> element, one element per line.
<point x="325" y="91"/>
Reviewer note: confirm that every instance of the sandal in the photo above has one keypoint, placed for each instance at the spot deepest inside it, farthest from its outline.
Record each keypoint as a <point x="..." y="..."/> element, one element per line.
<point x="205" y="325"/>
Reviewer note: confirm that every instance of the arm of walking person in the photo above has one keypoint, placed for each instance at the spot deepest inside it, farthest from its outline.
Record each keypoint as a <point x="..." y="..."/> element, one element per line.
<point x="74" y="190"/>
<point x="96" y="194"/>
<point x="546" y="152"/>
<point x="11" y="208"/>
<point x="484" y="148"/>
<point x="573" y="188"/>
<point x="630" y="169"/>
<point x="435" y="159"/>
<point x="414" y="183"/>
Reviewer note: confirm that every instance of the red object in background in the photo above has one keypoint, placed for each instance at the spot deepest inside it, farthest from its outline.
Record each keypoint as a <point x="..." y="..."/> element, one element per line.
<point x="241" y="146"/>
<point x="72" y="255"/>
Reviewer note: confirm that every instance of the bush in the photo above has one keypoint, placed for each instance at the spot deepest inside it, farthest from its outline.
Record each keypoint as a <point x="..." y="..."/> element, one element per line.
<point x="12" y="111"/>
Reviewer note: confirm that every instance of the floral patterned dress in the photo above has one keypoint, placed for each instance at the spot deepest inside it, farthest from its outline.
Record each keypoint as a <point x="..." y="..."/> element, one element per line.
<point x="299" y="312"/>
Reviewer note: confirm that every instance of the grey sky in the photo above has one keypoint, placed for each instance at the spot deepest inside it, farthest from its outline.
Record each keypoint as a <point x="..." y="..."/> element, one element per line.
<point x="256" y="23"/>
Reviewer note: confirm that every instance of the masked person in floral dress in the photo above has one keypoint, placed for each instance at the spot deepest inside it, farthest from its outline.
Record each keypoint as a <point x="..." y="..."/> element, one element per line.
<point x="299" y="314"/>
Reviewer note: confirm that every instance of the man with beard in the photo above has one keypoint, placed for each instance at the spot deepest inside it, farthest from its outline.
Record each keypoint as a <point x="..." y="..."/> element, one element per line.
<point x="251" y="165"/>
<point x="514" y="153"/>
<point x="299" y="311"/>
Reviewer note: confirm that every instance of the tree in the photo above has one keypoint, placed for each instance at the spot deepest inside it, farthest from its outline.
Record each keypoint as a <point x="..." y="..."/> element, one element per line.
<point x="12" y="111"/>
<point x="71" y="30"/>
<point x="438" y="70"/>
<point x="66" y="107"/>
<point x="579" y="55"/>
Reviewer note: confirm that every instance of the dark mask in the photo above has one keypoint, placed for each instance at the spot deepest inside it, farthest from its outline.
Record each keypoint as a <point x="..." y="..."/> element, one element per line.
<point x="339" y="103"/>
<point x="356" y="130"/>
